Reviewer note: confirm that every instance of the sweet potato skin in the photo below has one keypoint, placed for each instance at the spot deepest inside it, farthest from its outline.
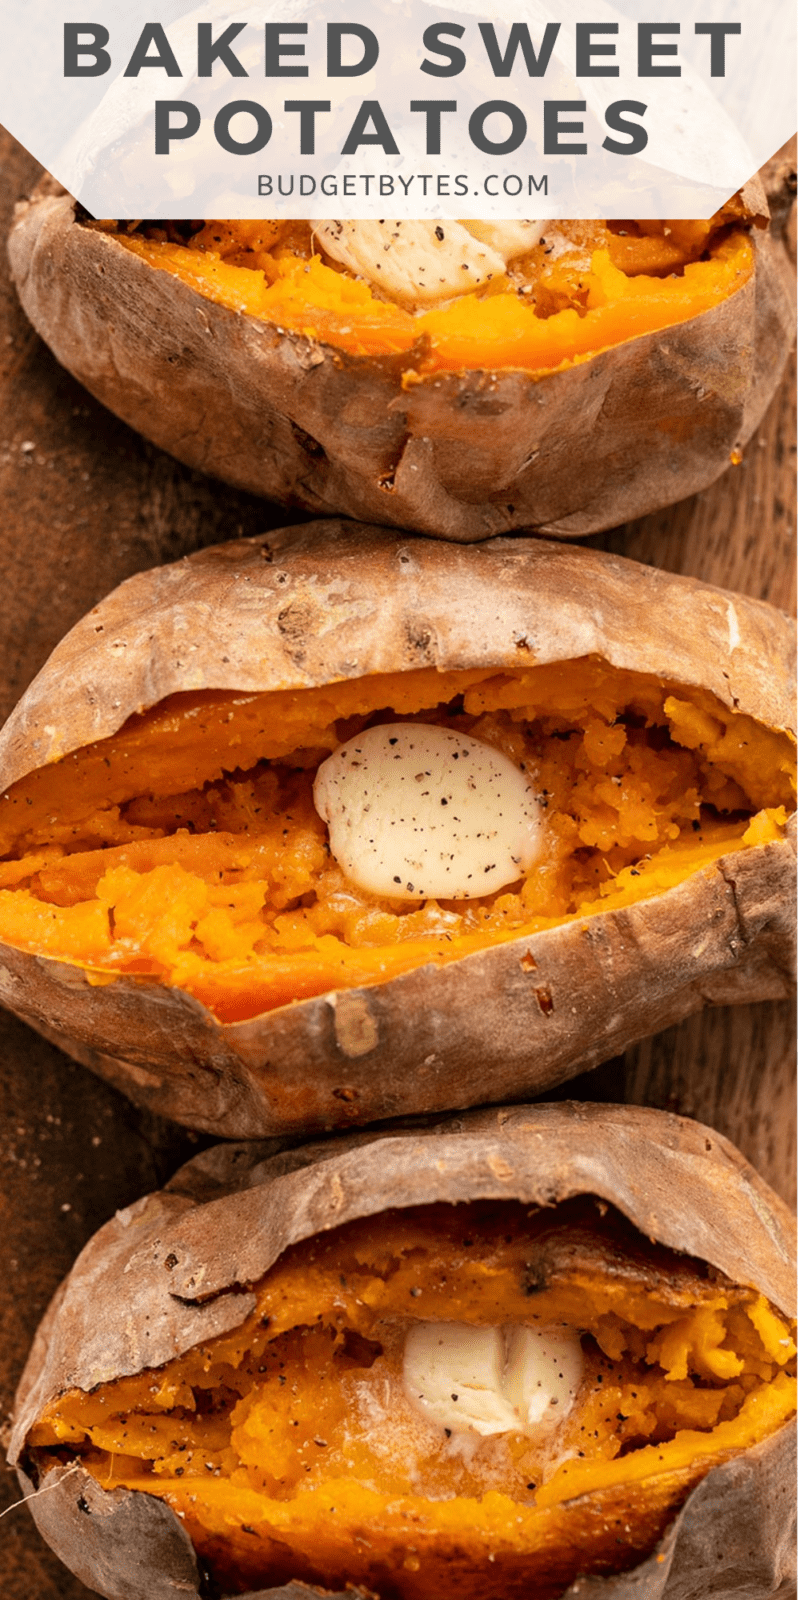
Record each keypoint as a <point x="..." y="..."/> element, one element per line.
<point x="328" y="601"/>
<point x="460" y="456"/>
<point x="182" y="1257"/>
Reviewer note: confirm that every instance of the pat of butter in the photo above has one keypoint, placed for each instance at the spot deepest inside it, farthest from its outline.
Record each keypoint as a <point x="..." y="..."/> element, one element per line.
<point x="416" y="811"/>
<point x="416" y="263"/>
<point x="513" y="1379"/>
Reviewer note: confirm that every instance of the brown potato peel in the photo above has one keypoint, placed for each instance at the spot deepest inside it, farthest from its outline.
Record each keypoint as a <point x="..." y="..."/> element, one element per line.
<point x="328" y="602"/>
<point x="172" y="1272"/>
<point x="460" y="456"/>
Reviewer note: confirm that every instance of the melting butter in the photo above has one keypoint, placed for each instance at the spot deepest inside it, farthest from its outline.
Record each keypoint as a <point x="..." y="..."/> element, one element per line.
<point x="416" y="811"/>
<point x="514" y="1379"/>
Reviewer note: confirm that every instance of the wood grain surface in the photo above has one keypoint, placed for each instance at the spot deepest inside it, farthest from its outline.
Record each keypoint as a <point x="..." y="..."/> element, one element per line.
<point x="85" y="503"/>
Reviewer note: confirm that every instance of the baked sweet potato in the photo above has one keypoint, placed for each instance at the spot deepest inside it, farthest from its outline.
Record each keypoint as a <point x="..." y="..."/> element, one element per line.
<point x="227" y="1393"/>
<point x="170" y="909"/>
<point x="610" y="370"/>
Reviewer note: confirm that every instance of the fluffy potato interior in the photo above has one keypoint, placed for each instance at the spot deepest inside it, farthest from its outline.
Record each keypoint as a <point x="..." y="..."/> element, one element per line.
<point x="291" y="1447"/>
<point x="584" y="287"/>
<point x="187" y="847"/>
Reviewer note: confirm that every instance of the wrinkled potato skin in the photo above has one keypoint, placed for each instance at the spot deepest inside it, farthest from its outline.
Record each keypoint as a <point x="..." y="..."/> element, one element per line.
<point x="234" y="1209"/>
<point x="461" y="456"/>
<point x="307" y="606"/>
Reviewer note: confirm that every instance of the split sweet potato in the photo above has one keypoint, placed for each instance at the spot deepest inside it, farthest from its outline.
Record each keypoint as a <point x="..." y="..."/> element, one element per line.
<point x="215" y="1401"/>
<point x="619" y="377"/>
<point x="170" y="909"/>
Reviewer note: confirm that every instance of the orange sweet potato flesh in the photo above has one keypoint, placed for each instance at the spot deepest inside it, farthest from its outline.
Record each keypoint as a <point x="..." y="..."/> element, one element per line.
<point x="187" y="846"/>
<point x="289" y="1447"/>
<point x="611" y="284"/>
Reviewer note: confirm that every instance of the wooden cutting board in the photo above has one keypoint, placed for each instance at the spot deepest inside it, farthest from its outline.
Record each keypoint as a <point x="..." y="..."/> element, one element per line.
<point x="85" y="503"/>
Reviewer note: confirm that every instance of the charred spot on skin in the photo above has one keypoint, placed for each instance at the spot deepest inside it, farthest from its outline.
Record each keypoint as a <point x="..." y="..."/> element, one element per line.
<point x="308" y="443"/>
<point x="295" y="621"/>
<point x="170" y="1262"/>
<point x="418" y="639"/>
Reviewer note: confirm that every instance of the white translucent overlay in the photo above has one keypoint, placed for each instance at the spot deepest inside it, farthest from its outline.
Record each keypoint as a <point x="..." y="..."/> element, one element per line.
<point x="271" y="127"/>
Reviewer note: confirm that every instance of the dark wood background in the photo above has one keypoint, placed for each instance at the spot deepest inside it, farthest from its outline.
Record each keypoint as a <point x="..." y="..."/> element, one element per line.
<point x="85" y="502"/>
